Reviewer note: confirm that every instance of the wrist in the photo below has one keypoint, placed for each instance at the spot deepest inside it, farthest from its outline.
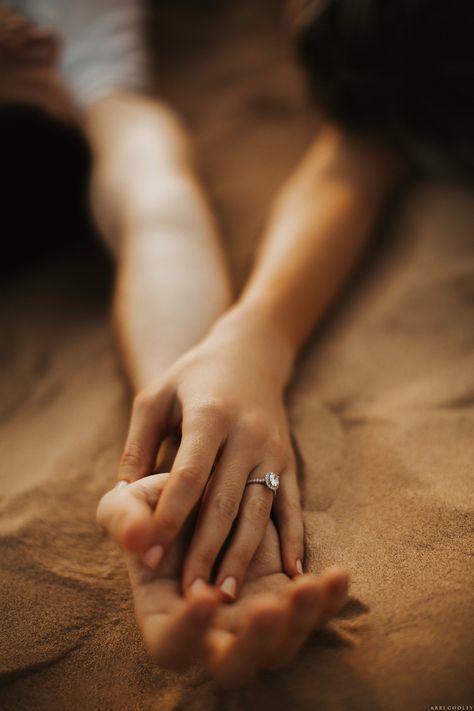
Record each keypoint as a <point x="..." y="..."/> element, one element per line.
<point x="251" y="326"/>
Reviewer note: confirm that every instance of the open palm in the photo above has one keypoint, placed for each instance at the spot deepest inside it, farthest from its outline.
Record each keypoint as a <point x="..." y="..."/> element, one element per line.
<point x="264" y="628"/>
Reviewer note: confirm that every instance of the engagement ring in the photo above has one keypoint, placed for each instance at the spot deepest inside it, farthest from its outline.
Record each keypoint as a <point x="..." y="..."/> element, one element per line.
<point x="271" y="480"/>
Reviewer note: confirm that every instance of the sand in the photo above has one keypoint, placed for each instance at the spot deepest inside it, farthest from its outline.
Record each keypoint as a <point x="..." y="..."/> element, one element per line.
<point x="382" y="408"/>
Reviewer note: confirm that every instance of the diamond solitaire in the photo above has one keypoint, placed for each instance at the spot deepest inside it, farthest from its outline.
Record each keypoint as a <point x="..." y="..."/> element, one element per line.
<point x="272" y="480"/>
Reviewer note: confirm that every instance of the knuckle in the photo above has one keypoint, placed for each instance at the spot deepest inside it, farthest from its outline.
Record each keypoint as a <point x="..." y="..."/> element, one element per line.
<point x="143" y="401"/>
<point x="168" y="525"/>
<point x="276" y="446"/>
<point x="226" y="506"/>
<point x="254" y="425"/>
<point x="133" y="456"/>
<point x="190" y="478"/>
<point x="280" y="443"/>
<point x="213" y="409"/>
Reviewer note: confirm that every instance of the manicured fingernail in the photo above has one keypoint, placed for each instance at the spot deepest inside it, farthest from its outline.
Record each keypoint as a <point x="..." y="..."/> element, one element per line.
<point x="198" y="586"/>
<point x="153" y="556"/>
<point x="120" y="483"/>
<point x="229" y="587"/>
<point x="299" y="567"/>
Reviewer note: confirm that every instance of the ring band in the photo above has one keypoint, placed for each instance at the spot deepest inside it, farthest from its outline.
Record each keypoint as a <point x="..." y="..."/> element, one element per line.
<point x="270" y="480"/>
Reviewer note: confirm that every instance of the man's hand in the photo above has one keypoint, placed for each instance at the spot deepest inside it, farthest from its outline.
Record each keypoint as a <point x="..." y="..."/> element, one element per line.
<point x="264" y="629"/>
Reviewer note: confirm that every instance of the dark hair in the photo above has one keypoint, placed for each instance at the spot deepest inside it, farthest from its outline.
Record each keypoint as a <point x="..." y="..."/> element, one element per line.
<point x="45" y="168"/>
<point x="401" y="71"/>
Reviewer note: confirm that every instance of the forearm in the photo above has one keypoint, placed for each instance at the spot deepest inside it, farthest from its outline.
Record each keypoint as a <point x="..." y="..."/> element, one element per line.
<point x="172" y="282"/>
<point x="318" y="230"/>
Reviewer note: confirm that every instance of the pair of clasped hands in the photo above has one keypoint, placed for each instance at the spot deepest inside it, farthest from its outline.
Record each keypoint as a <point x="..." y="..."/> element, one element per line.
<point x="215" y="579"/>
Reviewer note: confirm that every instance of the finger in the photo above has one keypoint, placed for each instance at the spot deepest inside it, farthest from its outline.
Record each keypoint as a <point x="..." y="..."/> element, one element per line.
<point x="236" y="659"/>
<point x="289" y="518"/>
<point x="146" y="432"/>
<point x="313" y="601"/>
<point x="252" y="523"/>
<point x="304" y="601"/>
<point x="124" y="511"/>
<point x="167" y="453"/>
<point x="219" y="509"/>
<point x="335" y="582"/>
<point x="175" y="641"/>
<point x="200" y="443"/>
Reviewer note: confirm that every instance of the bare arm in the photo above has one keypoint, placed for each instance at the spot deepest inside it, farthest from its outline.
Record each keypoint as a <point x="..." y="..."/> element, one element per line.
<point x="172" y="281"/>
<point x="318" y="229"/>
<point x="226" y="394"/>
<point x="172" y="285"/>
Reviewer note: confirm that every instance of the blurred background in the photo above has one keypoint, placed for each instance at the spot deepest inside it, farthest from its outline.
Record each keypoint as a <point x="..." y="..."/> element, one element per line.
<point x="229" y="70"/>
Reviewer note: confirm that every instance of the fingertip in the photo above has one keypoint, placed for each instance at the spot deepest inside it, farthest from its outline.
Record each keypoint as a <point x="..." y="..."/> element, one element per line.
<point x="201" y="590"/>
<point x="337" y="581"/>
<point x="202" y="606"/>
<point x="196" y="587"/>
<point x="292" y="545"/>
<point x="306" y="591"/>
<point x="293" y="567"/>
<point x="121" y="482"/>
<point x="125" y="512"/>
<point x="135" y="536"/>
<point x="153" y="556"/>
<point x="195" y="579"/>
<point x="107" y="508"/>
<point x="228" y="588"/>
<point x="292" y="554"/>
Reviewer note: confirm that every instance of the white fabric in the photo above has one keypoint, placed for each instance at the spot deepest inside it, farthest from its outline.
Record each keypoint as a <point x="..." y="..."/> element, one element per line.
<point x="103" y="46"/>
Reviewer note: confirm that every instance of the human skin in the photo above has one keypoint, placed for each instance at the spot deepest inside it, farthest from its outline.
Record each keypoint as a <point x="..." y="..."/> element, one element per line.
<point x="173" y="297"/>
<point x="28" y="59"/>
<point x="175" y="321"/>
<point x="172" y="284"/>
<point x="225" y="394"/>
<point x="264" y="629"/>
<point x="318" y="229"/>
<point x="172" y="279"/>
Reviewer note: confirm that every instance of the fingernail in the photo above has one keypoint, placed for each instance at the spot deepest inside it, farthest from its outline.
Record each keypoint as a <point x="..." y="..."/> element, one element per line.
<point x="299" y="567"/>
<point x="229" y="587"/>
<point x="120" y="483"/>
<point x="153" y="556"/>
<point x="198" y="586"/>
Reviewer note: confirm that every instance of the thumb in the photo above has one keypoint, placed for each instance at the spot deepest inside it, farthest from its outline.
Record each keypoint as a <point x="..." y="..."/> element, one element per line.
<point x="125" y="511"/>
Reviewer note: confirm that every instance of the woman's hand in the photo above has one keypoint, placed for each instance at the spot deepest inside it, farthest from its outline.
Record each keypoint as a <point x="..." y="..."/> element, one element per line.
<point x="264" y="629"/>
<point x="226" y="397"/>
